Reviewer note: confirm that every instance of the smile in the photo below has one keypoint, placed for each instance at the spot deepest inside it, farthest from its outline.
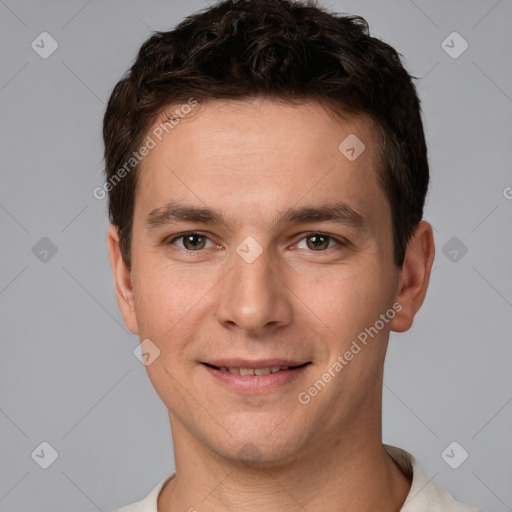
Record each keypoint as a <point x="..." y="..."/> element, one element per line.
<point x="255" y="380"/>
<point x="255" y="371"/>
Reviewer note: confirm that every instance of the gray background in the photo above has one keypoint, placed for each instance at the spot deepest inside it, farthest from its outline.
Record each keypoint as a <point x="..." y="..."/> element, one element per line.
<point x="68" y="374"/>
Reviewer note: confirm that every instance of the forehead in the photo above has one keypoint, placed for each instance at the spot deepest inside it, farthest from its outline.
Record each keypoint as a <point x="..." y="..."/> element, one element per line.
<point x="262" y="154"/>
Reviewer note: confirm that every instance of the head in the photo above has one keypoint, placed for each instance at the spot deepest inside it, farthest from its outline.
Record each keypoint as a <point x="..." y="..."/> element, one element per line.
<point x="291" y="141"/>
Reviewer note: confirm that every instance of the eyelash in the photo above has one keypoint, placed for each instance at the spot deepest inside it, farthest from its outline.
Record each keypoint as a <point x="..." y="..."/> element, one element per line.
<point x="340" y="243"/>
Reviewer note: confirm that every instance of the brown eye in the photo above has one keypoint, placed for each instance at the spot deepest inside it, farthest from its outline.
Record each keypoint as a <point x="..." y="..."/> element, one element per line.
<point x="319" y="242"/>
<point x="190" y="241"/>
<point x="194" y="241"/>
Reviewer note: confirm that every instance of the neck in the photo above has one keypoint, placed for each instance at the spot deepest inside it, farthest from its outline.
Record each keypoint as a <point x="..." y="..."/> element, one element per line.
<point x="354" y="471"/>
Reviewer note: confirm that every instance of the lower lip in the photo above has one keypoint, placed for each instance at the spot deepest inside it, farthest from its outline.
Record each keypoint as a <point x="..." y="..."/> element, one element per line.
<point x="254" y="384"/>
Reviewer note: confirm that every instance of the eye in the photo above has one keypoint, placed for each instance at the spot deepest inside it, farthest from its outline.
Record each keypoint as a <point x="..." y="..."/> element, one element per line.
<point x="196" y="241"/>
<point x="319" y="242"/>
<point x="193" y="241"/>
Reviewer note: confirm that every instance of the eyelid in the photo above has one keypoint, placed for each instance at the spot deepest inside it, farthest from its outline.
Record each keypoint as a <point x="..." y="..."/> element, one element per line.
<point x="342" y="242"/>
<point x="173" y="238"/>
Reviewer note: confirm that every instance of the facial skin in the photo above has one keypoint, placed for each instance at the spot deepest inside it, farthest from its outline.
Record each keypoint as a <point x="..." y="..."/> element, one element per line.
<point x="250" y="160"/>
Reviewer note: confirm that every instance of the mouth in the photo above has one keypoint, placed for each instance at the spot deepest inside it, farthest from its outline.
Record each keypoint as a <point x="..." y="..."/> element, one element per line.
<point x="256" y="377"/>
<point x="263" y="370"/>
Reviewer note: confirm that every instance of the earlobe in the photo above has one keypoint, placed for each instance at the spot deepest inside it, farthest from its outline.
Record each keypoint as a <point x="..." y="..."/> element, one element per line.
<point x="122" y="280"/>
<point x="414" y="276"/>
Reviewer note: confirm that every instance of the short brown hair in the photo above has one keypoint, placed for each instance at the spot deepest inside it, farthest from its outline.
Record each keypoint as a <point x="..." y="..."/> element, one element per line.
<point x="283" y="50"/>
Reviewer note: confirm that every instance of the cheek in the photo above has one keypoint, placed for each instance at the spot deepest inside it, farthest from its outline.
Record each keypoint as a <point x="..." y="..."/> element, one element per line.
<point x="164" y="316"/>
<point x="348" y="298"/>
<point x="164" y="302"/>
<point x="174" y="305"/>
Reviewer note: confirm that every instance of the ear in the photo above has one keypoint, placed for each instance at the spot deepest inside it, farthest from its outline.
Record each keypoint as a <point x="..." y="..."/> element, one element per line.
<point x="414" y="276"/>
<point x="122" y="280"/>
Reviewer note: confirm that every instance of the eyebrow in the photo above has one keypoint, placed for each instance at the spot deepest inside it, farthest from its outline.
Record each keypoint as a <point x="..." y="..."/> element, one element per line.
<point x="175" y="212"/>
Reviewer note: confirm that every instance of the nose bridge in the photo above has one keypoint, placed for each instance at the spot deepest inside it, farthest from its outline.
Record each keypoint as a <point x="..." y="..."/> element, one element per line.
<point x="253" y="296"/>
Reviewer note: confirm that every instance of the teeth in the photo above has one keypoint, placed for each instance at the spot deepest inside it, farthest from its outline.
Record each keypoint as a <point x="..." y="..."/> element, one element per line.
<point x="254" y="371"/>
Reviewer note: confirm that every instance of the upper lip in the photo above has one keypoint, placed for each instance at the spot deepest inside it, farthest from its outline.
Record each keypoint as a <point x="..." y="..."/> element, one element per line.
<point x="261" y="363"/>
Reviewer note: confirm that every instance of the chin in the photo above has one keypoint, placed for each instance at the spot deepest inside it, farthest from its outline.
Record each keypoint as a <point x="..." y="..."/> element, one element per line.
<point x="261" y="448"/>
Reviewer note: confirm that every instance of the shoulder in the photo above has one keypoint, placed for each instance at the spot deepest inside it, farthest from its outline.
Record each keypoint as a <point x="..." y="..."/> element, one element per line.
<point x="149" y="503"/>
<point x="133" y="507"/>
<point x="424" y="494"/>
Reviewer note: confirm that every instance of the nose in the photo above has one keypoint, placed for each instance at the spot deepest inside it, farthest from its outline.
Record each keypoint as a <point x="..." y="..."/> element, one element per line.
<point x="254" y="297"/>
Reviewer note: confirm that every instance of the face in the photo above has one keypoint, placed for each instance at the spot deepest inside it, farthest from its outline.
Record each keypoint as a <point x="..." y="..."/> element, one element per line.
<point x="258" y="244"/>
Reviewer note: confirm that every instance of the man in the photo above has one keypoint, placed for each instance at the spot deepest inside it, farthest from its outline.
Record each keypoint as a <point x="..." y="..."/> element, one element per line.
<point x="267" y="170"/>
